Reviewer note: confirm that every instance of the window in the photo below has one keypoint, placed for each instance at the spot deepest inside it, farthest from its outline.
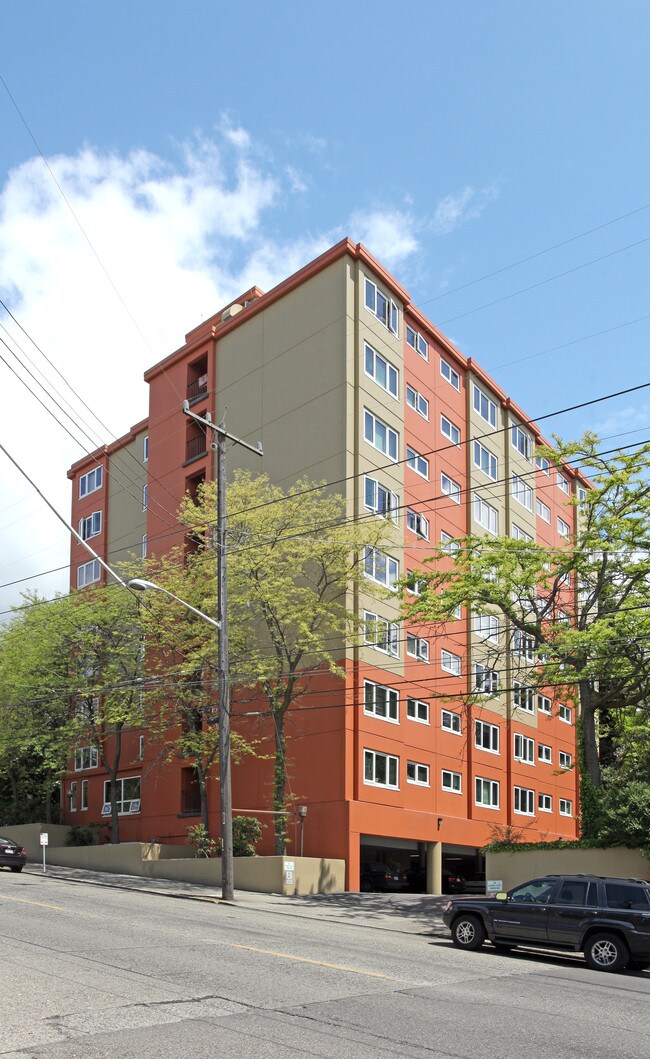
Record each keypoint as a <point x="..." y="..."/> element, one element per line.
<point x="524" y="801"/>
<point x="449" y="374"/>
<point x="519" y="534"/>
<point x="416" y="710"/>
<point x="563" y="484"/>
<point x="380" y="435"/>
<point x="91" y="482"/>
<point x="524" y="646"/>
<point x="566" y="761"/>
<point x="381" y="701"/>
<point x="544" y="704"/>
<point x="487" y="627"/>
<point x="380" y="567"/>
<point x="380" y="770"/>
<point x="382" y="307"/>
<point x="545" y="803"/>
<point x="544" y="511"/>
<point x="91" y="526"/>
<point x="128" y="795"/>
<point x="145" y="497"/>
<point x="84" y="795"/>
<point x="379" y="369"/>
<point x="417" y="342"/>
<point x="141" y="747"/>
<point x="450" y="430"/>
<point x="417" y="523"/>
<point x="545" y="753"/>
<point x="624" y="895"/>
<point x="565" y="714"/>
<point x="485" y="460"/>
<point x="450" y="488"/>
<point x="381" y="634"/>
<point x="485" y="407"/>
<point x="416" y="401"/>
<point x="486" y="736"/>
<point x="522" y="442"/>
<point x="522" y="493"/>
<point x="85" y="757"/>
<point x="542" y="464"/>
<point x="486" y="793"/>
<point x="379" y="499"/>
<point x="144" y="545"/>
<point x="566" y="807"/>
<point x="486" y="515"/>
<point x="145" y="449"/>
<point x="523" y="697"/>
<point x="451" y="722"/>
<point x="88" y="573"/>
<point x="451" y="663"/>
<point x="563" y="528"/>
<point x="417" y="463"/>
<point x="486" y="680"/>
<point x="525" y="749"/>
<point x="452" y="781"/>
<point x="416" y="773"/>
<point x="417" y="647"/>
<point x="415" y="585"/>
<point x="72" y="798"/>
<point x="448" y="544"/>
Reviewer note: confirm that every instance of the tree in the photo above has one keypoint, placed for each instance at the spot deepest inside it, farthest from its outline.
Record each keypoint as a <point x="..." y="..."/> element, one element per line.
<point x="293" y="561"/>
<point x="573" y="620"/>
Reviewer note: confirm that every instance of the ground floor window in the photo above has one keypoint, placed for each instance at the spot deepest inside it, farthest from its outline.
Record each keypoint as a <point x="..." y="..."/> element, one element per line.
<point x="128" y="795"/>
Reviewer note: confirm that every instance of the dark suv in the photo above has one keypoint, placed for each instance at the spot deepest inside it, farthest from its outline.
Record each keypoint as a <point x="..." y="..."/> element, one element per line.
<point x="606" y="919"/>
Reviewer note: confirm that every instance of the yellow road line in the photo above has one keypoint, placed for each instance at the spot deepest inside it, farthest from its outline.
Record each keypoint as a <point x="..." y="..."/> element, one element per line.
<point x="318" y="963"/>
<point x="39" y="904"/>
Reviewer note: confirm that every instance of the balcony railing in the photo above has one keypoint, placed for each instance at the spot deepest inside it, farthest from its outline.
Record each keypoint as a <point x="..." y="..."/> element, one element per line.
<point x="196" y="447"/>
<point x="197" y="389"/>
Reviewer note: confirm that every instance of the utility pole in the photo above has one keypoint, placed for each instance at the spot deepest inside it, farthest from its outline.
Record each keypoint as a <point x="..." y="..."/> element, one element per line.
<point x="225" y="785"/>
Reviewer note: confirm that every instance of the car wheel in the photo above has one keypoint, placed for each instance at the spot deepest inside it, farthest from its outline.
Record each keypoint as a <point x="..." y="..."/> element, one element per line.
<point x="468" y="932"/>
<point x="18" y="868"/>
<point x="606" y="952"/>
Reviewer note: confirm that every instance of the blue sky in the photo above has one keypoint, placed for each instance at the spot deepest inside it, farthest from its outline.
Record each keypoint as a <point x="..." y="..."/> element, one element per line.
<point x="204" y="147"/>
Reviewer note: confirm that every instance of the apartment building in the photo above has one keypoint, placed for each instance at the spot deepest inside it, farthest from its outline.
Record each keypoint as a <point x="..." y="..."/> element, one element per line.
<point x="344" y="380"/>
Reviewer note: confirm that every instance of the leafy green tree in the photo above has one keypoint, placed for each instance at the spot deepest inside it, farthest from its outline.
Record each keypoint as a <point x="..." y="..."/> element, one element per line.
<point x="574" y="620"/>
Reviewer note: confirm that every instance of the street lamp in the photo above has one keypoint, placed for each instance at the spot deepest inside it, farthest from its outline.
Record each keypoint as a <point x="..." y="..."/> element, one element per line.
<point x="225" y="794"/>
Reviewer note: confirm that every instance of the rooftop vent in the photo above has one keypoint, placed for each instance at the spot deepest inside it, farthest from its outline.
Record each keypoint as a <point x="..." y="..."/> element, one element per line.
<point x="231" y="311"/>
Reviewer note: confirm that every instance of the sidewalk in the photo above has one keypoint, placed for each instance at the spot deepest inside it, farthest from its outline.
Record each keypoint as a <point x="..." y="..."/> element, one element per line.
<point x="400" y="913"/>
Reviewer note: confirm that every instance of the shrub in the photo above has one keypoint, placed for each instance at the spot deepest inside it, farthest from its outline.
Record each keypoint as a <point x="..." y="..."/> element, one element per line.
<point x="246" y="831"/>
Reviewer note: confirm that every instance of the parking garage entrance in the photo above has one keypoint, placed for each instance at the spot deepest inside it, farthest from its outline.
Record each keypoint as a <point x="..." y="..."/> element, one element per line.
<point x="392" y="865"/>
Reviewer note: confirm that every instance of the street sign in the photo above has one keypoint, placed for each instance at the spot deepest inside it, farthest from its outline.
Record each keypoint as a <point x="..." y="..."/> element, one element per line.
<point x="45" y="838"/>
<point x="494" y="886"/>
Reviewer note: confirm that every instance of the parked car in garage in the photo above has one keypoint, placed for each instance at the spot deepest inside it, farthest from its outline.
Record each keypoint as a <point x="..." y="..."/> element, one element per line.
<point x="381" y="878"/>
<point x="12" y="855"/>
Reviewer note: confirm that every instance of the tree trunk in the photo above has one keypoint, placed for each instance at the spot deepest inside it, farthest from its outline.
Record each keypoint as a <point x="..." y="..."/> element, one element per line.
<point x="279" y="785"/>
<point x="590" y="741"/>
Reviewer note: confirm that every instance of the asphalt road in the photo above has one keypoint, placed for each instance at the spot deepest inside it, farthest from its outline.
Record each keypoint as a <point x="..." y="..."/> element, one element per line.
<point x="92" y="971"/>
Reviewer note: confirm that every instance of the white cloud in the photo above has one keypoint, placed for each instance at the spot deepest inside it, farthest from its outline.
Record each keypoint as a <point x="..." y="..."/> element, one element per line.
<point x="177" y="241"/>
<point x="462" y="206"/>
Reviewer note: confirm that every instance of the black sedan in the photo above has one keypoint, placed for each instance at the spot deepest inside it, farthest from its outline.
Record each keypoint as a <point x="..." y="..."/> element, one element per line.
<point x="12" y="854"/>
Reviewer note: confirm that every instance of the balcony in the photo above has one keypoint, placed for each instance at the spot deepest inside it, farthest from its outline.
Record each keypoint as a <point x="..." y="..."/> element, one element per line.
<point x="195" y="447"/>
<point x="197" y="389"/>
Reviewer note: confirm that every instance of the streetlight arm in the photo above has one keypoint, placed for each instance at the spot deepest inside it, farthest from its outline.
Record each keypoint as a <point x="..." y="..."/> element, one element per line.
<point x="141" y="585"/>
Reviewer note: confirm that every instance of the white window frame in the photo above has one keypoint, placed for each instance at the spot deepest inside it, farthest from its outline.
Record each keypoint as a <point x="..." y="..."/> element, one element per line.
<point x="451" y="722"/>
<point x="565" y="713"/>
<point x="544" y="803"/>
<point x="519" y="534"/>
<point x="521" y="492"/>
<point x="543" y="511"/>
<point x="417" y="463"/>
<point x="83" y="801"/>
<point x="451" y="663"/>
<point x="565" y="760"/>
<point x="486" y="793"/>
<point x="145" y="449"/>
<point x="545" y="753"/>
<point x="417" y="523"/>
<point x="486" y="461"/>
<point x="417" y="710"/>
<point x="487" y="627"/>
<point x="544" y="704"/>
<point x="390" y="385"/>
<point x="450" y="374"/>
<point x="450" y="431"/>
<point x="542" y="465"/>
<point x="523" y="646"/>
<point x="566" y="807"/>
<point x="88" y="573"/>
<point x="419" y="774"/>
<point x="448" y="543"/>
<point x="91" y="481"/>
<point x="451" y="781"/>
<point x="563" y="528"/>
<point x="85" y="757"/>
<point x="391" y="763"/>
<point x="523" y="697"/>
<point x="145" y="497"/>
<point x="486" y="515"/>
<point x="522" y="442"/>
<point x="133" y="803"/>
<point x="415" y="585"/>
<point x="524" y="749"/>
<point x="486" y="680"/>
<point x="484" y="732"/>
<point x="380" y="567"/>
<point x="563" y="484"/>
<point x="415" y="340"/>
<point x="450" y="488"/>
<point x="417" y="647"/>
<point x="389" y="643"/>
<point x="379" y="499"/>
<point x="524" y="801"/>
<point x="374" y="426"/>
<point x="391" y="317"/>
<point x="417" y="401"/>
<point x="90" y="526"/>
<point x="484" y="406"/>
<point x="144" y="545"/>
<point x="373" y="705"/>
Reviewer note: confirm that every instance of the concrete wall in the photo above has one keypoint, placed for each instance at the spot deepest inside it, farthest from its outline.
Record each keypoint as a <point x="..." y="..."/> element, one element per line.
<point x="516" y="867"/>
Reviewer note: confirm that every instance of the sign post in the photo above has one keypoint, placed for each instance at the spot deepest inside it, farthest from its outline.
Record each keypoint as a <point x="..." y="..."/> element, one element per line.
<point x="45" y="838"/>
